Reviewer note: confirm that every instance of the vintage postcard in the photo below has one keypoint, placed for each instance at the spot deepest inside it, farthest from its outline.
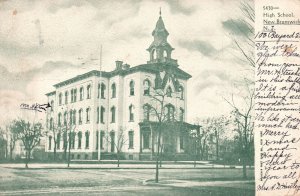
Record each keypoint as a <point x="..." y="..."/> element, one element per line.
<point x="149" y="97"/>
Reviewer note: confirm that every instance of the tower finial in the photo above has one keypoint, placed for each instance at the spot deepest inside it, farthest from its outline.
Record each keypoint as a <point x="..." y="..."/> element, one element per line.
<point x="159" y="11"/>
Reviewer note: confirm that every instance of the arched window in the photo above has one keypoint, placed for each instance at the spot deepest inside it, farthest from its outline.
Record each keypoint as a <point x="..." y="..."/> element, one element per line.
<point x="113" y="90"/>
<point x="79" y="139"/>
<point x="81" y="91"/>
<point x="65" y="138"/>
<point x="75" y="95"/>
<point x="130" y="138"/>
<point x="59" y="119"/>
<point x="131" y="114"/>
<point x="146" y="109"/>
<point x="72" y="95"/>
<point x="169" y="112"/>
<point x="147" y="85"/>
<point x="66" y="97"/>
<point x="52" y="105"/>
<point x="113" y="114"/>
<point x="89" y="89"/>
<point x="72" y="140"/>
<point x="71" y="117"/>
<point x="60" y="98"/>
<point x="74" y="117"/>
<point x="112" y="141"/>
<point x="181" y="91"/>
<point x="103" y="87"/>
<point x="49" y="142"/>
<point x="153" y="54"/>
<point x="58" y="141"/>
<point x="102" y="111"/>
<point x="88" y="115"/>
<point x="65" y="118"/>
<point x="165" y="54"/>
<point x="87" y="139"/>
<point x="169" y="92"/>
<point x="131" y="86"/>
<point x="98" y="94"/>
<point x="51" y="124"/>
<point x="98" y="115"/>
<point x="80" y="116"/>
<point x="181" y="114"/>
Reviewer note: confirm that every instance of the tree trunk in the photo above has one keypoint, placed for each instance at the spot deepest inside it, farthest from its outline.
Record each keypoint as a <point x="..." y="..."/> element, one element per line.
<point x="157" y="157"/>
<point x="54" y="151"/>
<point x="217" y="147"/>
<point x="118" y="157"/>
<point x="244" y="168"/>
<point x="10" y="152"/>
<point x="27" y="158"/>
<point x="69" y="152"/>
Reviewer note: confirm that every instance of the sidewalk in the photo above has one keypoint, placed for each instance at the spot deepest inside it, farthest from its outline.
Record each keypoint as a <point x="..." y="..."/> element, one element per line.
<point x="113" y="166"/>
<point x="245" y="184"/>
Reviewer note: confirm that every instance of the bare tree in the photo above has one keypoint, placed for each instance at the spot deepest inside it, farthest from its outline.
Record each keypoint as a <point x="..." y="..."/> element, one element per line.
<point x="242" y="114"/>
<point x="243" y="119"/>
<point x="158" y="108"/>
<point x="3" y="143"/>
<point x="30" y="134"/>
<point x="55" y="130"/>
<point x="12" y="138"/>
<point x="118" y="142"/>
<point x="218" y="128"/>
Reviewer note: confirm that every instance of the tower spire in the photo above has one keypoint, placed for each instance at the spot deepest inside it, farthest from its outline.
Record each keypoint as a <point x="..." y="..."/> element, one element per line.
<point x="160" y="50"/>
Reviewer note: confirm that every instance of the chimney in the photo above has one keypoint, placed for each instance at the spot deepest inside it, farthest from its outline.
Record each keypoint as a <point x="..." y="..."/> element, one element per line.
<point x="119" y="64"/>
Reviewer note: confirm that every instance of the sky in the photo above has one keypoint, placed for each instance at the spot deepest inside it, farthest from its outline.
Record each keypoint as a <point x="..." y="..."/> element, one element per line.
<point x="46" y="42"/>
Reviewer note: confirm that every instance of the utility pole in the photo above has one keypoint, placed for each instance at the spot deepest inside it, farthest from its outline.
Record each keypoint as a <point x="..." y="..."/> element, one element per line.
<point x="99" y="131"/>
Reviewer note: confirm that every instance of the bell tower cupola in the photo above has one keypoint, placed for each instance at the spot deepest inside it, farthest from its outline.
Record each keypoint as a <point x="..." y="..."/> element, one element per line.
<point x="160" y="50"/>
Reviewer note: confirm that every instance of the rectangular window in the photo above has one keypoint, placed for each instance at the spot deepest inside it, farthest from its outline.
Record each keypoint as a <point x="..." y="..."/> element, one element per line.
<point x="102" y="115"/>
<point x="97" y="115"/>
<point x="181" y="141"/>
<point x="113" y="114"/>
<point x="146" y="139"/>
<point x="112" y="142"/>
<point x="50" y="141"/>
<point x="130" y="135"/>
<point x="101" y="139"/>
<point x="58" y="141"/>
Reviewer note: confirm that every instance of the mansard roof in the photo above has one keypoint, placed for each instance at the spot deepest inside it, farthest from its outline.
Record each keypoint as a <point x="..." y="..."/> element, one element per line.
<point x="154" y="68"/>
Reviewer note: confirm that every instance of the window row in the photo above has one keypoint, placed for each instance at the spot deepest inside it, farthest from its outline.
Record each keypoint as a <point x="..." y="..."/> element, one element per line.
<point x="69" y="137"/>
<point x="102" y="88"/>
<point x="111" y="139"/>
<point x="146" y="140"/>
<point x="74" y="95"/>
<point x="72" y="137"/>
<point x="167" y="115"/>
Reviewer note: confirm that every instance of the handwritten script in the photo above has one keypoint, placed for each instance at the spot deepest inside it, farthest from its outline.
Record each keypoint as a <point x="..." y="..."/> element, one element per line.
<point x="277" y="102"/>
<point x="36" y="107"/>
